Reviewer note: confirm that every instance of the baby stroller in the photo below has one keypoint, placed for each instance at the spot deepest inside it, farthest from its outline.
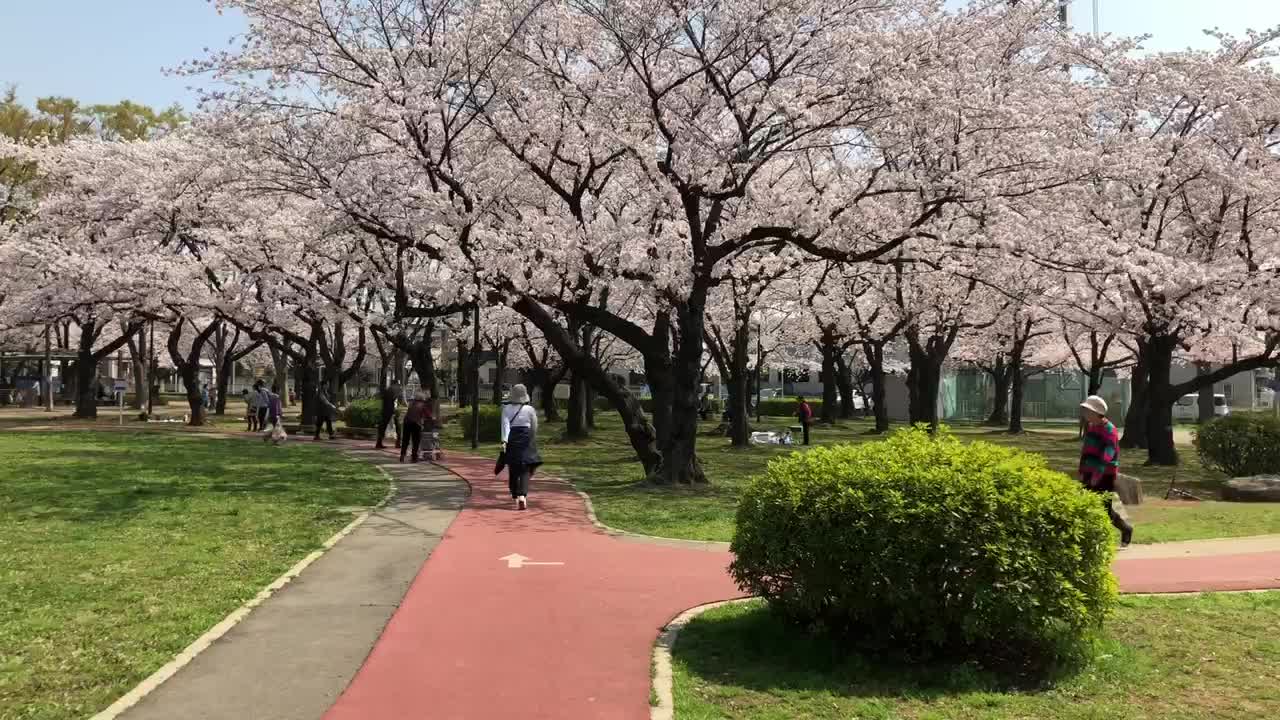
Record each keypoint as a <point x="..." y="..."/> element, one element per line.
<point x="431" y="449"/>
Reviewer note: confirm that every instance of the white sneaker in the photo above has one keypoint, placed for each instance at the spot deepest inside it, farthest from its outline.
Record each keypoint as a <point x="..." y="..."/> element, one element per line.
<point x="522" y="502"/>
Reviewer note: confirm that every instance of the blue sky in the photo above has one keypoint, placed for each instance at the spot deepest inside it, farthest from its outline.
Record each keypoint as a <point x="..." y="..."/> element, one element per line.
<point x="108" y="50"/>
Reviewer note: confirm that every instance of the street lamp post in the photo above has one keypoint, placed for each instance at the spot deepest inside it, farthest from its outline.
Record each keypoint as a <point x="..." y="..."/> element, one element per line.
<point x="151" y="371"/>
<point x="759" y="357"/>
<point x="475" y="377"/>
<point x="47" y="387"/>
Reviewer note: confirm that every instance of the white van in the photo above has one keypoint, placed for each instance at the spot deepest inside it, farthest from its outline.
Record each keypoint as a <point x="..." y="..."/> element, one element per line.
<point x="1188" y="407"/>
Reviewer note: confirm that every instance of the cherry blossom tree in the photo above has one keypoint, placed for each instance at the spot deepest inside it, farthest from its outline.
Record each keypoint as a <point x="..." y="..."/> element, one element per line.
<point x="104" y="248"/>
<point x="1183" y="213"/>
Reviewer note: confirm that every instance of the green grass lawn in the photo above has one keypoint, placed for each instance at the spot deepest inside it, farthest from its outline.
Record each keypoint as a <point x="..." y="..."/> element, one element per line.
<point x="604" y="467"/>
<point x="1173" y="658"/>
<point x="117" y="549"/>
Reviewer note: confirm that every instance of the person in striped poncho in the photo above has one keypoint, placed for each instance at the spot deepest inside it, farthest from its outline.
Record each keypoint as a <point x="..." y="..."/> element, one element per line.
<point x="1100" y="461"/>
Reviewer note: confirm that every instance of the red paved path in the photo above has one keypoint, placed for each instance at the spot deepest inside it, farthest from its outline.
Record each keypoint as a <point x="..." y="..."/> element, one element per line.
<point x="1253" y="571"/>
<point x="475" y="639"/>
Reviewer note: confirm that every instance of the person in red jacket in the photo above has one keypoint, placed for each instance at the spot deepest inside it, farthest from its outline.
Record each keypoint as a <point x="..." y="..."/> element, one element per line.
<point x="805" y="414"/>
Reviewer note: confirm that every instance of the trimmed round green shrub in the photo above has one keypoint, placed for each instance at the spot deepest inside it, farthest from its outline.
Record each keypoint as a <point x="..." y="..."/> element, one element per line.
<point x="1240" y="444"/>
<point x="363" y="413"/>
<point x="926" y="546"/>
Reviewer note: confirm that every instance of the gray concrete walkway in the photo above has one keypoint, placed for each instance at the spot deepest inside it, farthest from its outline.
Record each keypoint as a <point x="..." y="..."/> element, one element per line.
<point x="293" y="655"/>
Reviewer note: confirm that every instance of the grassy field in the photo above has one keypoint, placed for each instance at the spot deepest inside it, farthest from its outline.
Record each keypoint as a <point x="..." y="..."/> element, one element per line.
<point x="117" y="549"/>
<point x="604" y="467"/>
<point x="1178" y="658"/>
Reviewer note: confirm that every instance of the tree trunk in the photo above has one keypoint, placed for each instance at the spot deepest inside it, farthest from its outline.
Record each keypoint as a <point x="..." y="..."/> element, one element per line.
<point x="661" y="390"/>
<point x="576" y="425"/>
<point x="1160" y="447"/>
<point x="739" y="386"/>
<point x="549" y="381"/>
<point x="86" y="365"/>
<point x="86" y="387"/>
<point x="464" y="376"/>
<point x="1135" y="420"/>
<point x="924" y="380"/>
<point x="589" y="399"/>
<point x="680" y="464"/>
<point x="308" y="383"/>
<point x="1019" y="381"/>
<point x="225" y="368"/>
<point x="1205" y="397"/>
<point x="223" y="360"/>
<point x="844" y="381"/>
<point x="188" y="364"/>
<point x="139" y="362"/>
<point x="424" y="366"/>
<point x="500" y="357"/>
<point x="874" y="353"/>
<point x="280" y="361"/>
<point x="830" y="401"/>
<point x="398" y="362"/>
<point x="190" y="374"/>
<point x="639" y="431"/>
<point x="1002" y="377"/>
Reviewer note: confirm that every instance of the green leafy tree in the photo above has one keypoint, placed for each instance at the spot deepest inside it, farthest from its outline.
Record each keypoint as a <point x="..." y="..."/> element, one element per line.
<point x="127" y="120"/>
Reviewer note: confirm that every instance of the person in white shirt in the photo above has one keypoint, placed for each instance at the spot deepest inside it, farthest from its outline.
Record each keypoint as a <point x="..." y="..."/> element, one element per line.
<point x="520" y="443"/>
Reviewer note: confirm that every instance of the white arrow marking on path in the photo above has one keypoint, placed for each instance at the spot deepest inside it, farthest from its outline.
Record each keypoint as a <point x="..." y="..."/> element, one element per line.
<point x="516" y="560"/>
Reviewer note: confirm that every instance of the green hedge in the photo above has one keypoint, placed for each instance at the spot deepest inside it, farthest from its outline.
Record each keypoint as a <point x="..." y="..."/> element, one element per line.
<point x="927" y="546"/>
<point x="363" y="413"/>
<point x="787" y="407"/>
<point x="1240" y="444"/>
<point x="490" y="423"/>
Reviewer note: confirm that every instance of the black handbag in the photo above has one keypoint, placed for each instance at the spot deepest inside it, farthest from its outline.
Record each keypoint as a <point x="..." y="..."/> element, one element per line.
<point x="501" y="463"/>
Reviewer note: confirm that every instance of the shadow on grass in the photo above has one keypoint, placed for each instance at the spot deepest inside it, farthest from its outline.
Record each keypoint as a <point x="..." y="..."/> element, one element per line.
<point x="747" y="646"/>
<point x="89" y="477"/>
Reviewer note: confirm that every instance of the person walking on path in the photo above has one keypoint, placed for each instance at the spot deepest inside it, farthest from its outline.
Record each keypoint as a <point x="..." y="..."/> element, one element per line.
<point x="1100" y="461"/>
<point x="390" y="399"/>
<point x="415" y="418"/>
<point x="520" y="444"/>
<point x="325" y="410"/>
<point x="204" y="400"/>
<point x="805" y="414"/>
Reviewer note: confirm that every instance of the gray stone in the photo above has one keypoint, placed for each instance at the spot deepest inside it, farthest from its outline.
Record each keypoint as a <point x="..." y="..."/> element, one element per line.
<point x="1258" y="488"/>
<point x="1129" y="488"/>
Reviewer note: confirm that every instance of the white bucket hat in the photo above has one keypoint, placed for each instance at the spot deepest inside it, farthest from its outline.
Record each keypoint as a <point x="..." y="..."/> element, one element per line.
<point x="1096" y="404"/>
<point x="519" y="394"/>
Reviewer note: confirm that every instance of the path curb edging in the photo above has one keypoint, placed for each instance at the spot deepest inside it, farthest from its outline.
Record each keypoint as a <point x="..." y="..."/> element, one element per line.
<point x="153" y="681"/>
<point x="708" y="545"/>
<point x="663" y="674"/>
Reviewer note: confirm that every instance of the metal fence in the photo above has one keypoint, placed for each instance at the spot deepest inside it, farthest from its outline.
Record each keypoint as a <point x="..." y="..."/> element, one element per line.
<point x="1051" y="396"/>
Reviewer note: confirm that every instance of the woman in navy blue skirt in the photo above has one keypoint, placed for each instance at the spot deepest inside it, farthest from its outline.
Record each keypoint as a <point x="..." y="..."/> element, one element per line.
<point x="520" y="444"/>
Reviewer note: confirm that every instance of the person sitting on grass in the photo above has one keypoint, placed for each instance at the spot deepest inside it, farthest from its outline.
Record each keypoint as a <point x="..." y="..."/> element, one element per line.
<point x="1100" y="461"/>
